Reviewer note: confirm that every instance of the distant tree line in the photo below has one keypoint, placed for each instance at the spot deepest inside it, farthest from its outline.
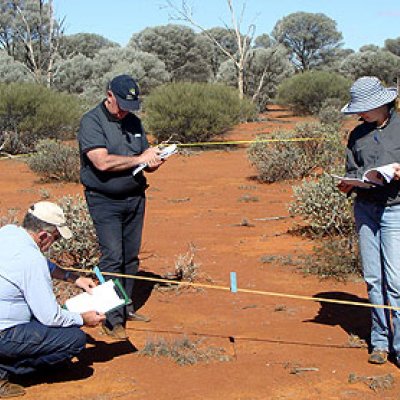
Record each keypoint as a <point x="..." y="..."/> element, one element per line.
<point x="34" y="48"/>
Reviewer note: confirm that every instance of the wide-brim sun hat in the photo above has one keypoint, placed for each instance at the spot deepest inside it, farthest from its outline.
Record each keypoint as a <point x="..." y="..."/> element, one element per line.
<point x="368" y="93"/>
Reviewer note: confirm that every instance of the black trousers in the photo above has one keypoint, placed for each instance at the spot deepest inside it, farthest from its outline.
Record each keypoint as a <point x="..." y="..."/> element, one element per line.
<point x="119" y="225"/>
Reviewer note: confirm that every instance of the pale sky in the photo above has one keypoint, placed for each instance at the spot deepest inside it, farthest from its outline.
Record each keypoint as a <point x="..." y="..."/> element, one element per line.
<point x="361" y="22"/>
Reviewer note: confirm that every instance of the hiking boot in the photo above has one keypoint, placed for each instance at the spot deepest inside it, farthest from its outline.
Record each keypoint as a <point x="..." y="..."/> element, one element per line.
<point x="8" y="389"/>
<point x="378" y="357"/>
<point x="117" y="332"/>
<point x="132" y="316"/>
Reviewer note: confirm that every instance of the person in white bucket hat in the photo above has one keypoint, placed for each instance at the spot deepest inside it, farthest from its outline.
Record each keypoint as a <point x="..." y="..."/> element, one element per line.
<point x="35" y="332"/>
<point x="375" y="143"/>
<point x="368" y="93"/>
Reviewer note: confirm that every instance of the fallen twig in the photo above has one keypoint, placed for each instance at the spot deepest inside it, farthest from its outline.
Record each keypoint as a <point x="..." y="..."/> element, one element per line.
<point x="299" y="370"/>
<point x="270" y="218"/>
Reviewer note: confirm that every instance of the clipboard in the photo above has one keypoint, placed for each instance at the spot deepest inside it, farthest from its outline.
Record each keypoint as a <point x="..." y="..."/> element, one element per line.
<point x="105" y="298"/>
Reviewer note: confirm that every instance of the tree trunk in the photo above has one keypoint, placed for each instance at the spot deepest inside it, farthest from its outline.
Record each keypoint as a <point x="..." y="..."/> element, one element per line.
<point x="241" y="82"/>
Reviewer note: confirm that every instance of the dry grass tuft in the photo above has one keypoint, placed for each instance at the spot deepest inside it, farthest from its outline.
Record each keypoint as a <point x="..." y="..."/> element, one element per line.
<point x="183" y="351"/>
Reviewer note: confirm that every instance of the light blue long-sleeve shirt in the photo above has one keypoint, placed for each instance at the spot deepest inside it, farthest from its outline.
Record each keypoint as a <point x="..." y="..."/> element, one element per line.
<point x="26" y="288"/>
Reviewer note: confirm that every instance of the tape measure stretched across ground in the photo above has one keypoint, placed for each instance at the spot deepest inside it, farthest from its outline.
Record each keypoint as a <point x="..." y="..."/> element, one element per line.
<point x="236" y="142"/>
<point x="201" y="144"/>
<point x="238" y="290"/>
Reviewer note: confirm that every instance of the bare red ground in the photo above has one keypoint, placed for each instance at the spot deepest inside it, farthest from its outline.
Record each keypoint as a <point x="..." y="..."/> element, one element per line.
<point x="199" y="199"/>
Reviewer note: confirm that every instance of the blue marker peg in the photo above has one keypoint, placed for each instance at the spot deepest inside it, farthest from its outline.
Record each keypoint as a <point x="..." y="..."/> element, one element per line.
<point x="99" y="275"/>
<point x="233" y="282"/>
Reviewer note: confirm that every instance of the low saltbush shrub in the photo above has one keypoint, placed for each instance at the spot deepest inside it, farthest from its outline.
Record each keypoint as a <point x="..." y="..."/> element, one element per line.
<point x="286" y="158"/>
<point x="329" y="112"/>
<point x="184" y="351"/>
<point x="335" y="257"/>
<point x="326" y="215"/>
<point x="82" y="251"/>
<point x="55" y="160"/>
<point x="194" y="112"/>
<point x="322" y="208"/>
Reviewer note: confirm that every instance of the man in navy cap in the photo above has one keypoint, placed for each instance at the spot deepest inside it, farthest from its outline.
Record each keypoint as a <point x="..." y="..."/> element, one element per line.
<point x="112" y="144"/>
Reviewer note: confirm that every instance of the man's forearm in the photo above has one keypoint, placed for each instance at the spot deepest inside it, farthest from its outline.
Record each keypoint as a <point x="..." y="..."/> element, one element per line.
<point x="112" y="162"/>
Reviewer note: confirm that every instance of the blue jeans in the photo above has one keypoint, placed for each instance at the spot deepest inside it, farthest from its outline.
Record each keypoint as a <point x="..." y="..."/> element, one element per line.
<point x="378" y="228"/>
<point x="119" y="225"/>
<point x="27" y="347"/>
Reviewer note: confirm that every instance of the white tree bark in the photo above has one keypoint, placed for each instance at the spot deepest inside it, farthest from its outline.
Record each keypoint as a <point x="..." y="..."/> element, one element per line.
<point x="184" y="13"/>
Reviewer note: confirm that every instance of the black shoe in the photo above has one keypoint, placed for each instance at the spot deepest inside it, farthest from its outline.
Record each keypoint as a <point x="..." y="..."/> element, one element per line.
<point x="132" y="316"/>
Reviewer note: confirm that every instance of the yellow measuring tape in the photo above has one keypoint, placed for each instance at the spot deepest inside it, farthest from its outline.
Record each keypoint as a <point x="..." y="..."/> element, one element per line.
<point x="227" y="289"/>
<point x="198" y="144"/>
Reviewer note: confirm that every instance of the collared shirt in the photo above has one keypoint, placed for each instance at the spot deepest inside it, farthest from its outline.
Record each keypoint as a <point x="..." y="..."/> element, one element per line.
<point x="26" y="289"/>
<point x="125" y="137"/>
<point x="369" y="147"/>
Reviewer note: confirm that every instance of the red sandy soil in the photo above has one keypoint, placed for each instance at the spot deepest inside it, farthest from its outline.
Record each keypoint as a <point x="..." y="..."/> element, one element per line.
<point x="199" y="199"/>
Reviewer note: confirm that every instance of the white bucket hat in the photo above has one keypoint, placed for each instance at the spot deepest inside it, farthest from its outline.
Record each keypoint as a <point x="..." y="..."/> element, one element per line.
<point x="52" y="214"/>
<point x="368" y="93"/>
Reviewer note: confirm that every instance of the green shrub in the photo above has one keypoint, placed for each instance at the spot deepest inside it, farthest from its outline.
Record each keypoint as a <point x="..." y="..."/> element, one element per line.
<point x="30" y="112"/>
<point x="326" y="215"/>
<point x="329" y="113"/>
<point x="305" y="92"/>
<point x="194" y="112"/>
<point x="55" y="160"/>
<point x="335" y="257"/>
<point x="323" y="209"/>
<point x="292" y="159"/>
<point x="82" y="251"/>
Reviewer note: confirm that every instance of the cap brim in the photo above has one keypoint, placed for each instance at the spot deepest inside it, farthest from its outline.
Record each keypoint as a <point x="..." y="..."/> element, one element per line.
<point x="128" y="105"/>
<point x="65" y="232"/>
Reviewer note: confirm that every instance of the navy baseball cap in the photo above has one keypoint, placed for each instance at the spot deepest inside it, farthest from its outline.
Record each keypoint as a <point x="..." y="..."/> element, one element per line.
<point x="126" y="91"/>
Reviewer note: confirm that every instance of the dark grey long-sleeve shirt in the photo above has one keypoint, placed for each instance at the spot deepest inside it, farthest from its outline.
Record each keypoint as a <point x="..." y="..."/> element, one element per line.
<point x="370" y="147"/>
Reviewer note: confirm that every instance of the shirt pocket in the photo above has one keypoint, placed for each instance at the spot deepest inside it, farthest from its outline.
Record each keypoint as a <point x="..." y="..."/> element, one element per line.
<point x="134" y="142"/>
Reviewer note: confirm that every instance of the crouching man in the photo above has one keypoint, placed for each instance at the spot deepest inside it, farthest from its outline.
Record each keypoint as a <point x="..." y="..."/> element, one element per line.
<point x="35" y="332"/>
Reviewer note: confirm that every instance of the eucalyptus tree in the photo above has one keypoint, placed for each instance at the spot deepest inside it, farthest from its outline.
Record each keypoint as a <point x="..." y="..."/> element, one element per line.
<point x="74" y="74"/>
<point x="264" y="41"/>
<point x="308" y="37"/>
<point x="243" y="41"/>
<point x="30" y="33"/>
<point x="380" y="63"/>
<point x="227" y="38"/>
<point x="12" y="70"/>
<point x="369" y="47"/>
<point x="87" y="44"/>
<point x="393" y="45"/>
<point x="147" y="68"/>
<point x="89" y="77"/>
<point x="332" y="60"/>
<point x="183" y="52"/>
<point x="265" y="69"/>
